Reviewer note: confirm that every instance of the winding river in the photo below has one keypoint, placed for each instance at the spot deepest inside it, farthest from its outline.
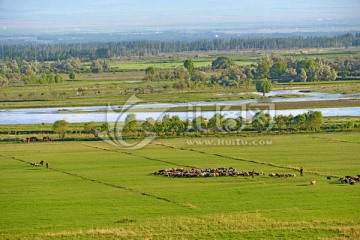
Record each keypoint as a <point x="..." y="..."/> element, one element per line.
<point x="104" y="113"/>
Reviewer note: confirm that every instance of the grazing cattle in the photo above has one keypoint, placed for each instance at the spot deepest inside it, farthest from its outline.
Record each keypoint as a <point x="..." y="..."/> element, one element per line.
<point x="349" y="179"/>
<point x="328" y="178"/>
<point x="46" y="138"/>
<point x="312" y="182"/>
<point x="34" y="164"/>
<point x="42" y="162"/>
<point x="34" y="139"/>
<point x="48" y="165"/>
<point x="208" y="172"/>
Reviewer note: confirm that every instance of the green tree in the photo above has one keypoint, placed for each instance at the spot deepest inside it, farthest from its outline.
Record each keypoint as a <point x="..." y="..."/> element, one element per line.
<point x="150" y="70"/>
<point x="130" y="123"/>
<point x="261" y="121"/>
<point x="61" y="127"/>
<point x="303" y="76"/>
<point x="278" y="70"/>
<point x="350" y="125"/>
<point x="176" y="124"/>
<point x="189" y="65"/>
<point x="97" y="66"/>
<point x="263" y="86"/>
<point x="222" y="63"/>
<point x="299" y="122"/>
<point x="306" y="64"/>
<point x="282" y="122"/>
<point x="314" y="120"/>
<point x="58" y="78"/>
<point x="200" y="78"/>
<point x="216" y="123"/>
<point x="72" y="75"/>
<point x="263" y="69"/>
<point x="103" y="53"/>
<point x="149" y="125"/>
<point x="91" y="127"/>
<point x="230" y="124"/>
<point x="199" y="124"/>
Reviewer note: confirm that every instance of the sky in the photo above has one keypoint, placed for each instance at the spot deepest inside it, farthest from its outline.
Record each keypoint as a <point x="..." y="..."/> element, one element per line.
<point x="117" y="15"/>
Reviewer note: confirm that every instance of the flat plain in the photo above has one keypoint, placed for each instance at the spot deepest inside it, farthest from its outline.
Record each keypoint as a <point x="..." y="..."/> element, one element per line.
<point x="95" y="190"/>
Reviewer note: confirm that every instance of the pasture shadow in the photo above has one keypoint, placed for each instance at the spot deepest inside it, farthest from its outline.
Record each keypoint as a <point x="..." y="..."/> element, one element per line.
<point x="34" y="169"/>
<point x="303" y="185"/>
<point x="125" y="220"/>
<point x="339" y="184"/>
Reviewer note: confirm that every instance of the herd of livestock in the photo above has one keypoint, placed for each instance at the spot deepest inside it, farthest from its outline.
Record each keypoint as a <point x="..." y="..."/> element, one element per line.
<point x="349" y="179"/>
<point x="227" y="172"/>
<point x="210" y="172"/>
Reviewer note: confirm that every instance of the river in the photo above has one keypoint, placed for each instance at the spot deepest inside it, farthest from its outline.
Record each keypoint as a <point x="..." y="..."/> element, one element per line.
<point x="87" y="114"/>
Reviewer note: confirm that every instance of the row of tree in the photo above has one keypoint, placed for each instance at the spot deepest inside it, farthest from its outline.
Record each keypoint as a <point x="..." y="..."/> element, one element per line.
<point x="92" y="51"/>
<point x="218" y="123"/>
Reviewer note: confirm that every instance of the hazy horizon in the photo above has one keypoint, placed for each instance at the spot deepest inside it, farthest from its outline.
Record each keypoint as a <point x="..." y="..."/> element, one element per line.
<point x="118" y="15"/>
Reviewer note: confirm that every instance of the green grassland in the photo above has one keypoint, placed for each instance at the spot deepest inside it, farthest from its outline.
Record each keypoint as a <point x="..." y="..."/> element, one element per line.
<point x="99" y="191"/>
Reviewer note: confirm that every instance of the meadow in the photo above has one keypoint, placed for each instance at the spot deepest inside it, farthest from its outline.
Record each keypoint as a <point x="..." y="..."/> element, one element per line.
<point x="95" y="190"/>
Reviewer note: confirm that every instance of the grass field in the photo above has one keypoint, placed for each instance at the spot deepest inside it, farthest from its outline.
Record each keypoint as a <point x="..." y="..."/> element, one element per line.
<point x="98" y="191"/>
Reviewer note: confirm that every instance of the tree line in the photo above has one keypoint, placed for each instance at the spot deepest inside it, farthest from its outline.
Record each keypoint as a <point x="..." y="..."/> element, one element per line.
<point x="173" y="125"/>
<point x="92" y="51"/>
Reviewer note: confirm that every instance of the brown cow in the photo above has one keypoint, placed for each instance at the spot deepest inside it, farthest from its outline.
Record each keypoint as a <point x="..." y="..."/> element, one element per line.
<point x="46" y="138"/>
<point x="48" y="165"/>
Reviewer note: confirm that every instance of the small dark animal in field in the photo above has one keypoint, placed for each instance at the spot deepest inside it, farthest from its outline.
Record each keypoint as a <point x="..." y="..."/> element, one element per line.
<point x="328" y="178"/>
<point x="46" y="138"/>
<point x="343" y="180"/>
<point x="312" y="182"/>
<point x="352" y="182"/>
<point x="48" y="165"/>
<point x="42" y="162"/>
<point x="34" y="164"/>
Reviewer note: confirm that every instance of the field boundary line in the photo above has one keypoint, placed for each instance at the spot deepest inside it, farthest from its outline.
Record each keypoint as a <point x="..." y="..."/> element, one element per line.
<point x="245" y="160"/>
<point x="109" y="184"/>
<point x="337" y="140"/>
